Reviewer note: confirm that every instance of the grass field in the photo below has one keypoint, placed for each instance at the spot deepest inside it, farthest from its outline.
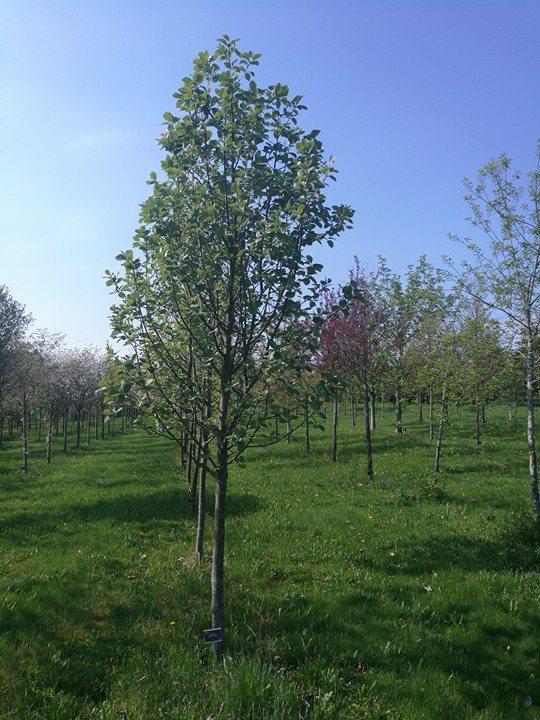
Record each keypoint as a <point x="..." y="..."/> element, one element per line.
<point x="407" y="598"/>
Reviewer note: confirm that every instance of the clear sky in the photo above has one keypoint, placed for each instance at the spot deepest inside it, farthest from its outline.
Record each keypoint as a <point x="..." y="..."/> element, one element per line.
<point x="410" y="97"/>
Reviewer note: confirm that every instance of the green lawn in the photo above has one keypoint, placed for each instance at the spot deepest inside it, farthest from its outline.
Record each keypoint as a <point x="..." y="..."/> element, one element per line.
<point x="402" y="599"/>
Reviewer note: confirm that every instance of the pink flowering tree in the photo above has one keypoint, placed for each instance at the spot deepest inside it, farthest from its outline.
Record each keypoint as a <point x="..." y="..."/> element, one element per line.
<point x="352" y="340"/>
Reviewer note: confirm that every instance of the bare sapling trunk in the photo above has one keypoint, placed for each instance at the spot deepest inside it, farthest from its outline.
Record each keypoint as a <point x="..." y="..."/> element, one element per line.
<point x="483" y="415"/>
<point x="24" y="434"/>
<point x="531" y="439"/>
<point x="88" y="426"/>
<point x="442" y="423"/>
<point x="372" y="401"/>
<point x="78" y="426"/>
<point x="65" y="430"/>
<point x="431" y="413"/>
<point x="368" y="405"/>
<point x="334" y="428"/>
<point x="48" y="439"/>
<point x="399" y="422"/>
<point x="201" y="513"/>
<point x="195" y="475"/>
<point x="306" y="424"/>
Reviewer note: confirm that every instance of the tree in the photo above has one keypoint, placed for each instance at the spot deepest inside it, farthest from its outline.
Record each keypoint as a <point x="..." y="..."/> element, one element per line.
<point x="504" y="273"/>
<point x="13" y="323"/>
<point x="483" y="357"/>
<point x="212" y="297"/>
<point x="352" y="340"/>
<point x="410" y="301"/>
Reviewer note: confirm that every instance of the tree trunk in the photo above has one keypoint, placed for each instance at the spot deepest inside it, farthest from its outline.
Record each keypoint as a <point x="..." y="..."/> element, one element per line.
<point x="201" y="515"/>
<point x="288" y="435"/>
<point x="78" y="427"/>
<point x="531" y="439"/>
<point x="368" y="409"/>
<point x="420" y="407"/>
<point x="478" y="425"/>
<point x="399" y="423"/>
<point x="431" y="412"/>
<point x="24" y="434"/>
<point x="334" y="429"/>
<point x="65" y="430"/>
<point x="195" y="473"/>
<point x="218" y="554"/>
<point x="306" y="417"/>
<point x="48" y="439"/>
<point x="483" y="415"/>
<point x="353" y="410"/>
<point x="372" y="418"/>
<point x="442" y="423"/>
<point x="88" y="422"/>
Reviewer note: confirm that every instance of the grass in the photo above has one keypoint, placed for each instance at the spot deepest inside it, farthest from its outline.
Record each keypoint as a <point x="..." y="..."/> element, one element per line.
<point x="406" y="598"/>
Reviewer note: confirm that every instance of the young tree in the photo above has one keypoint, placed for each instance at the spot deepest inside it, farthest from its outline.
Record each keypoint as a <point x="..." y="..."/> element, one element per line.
<point x="352" y="341"/>
<point x="221" y="260"/>
<point x="410" y="301"/>
<point x="483" y="357"/>
<point x="504" y="273"/>
<point x="13" y="324"/>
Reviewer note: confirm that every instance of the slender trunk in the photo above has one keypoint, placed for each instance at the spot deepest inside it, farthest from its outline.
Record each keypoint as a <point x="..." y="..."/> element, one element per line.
<point x="431" y="412"/>
<point x="88" y="423"/>
<point x="288" y="435"/>
<point x="199" y="542"/>
<point x="442" y="423"/>
<point x="24" y="434"/>
<point x="334" y="429"/>
<point x="218" y="554"/>
<point x="195" y="475"/>
<point x="48" y="439"/>
<point x="399" y="423"/>
<point x="78" y="427"/>
<point x="353" y="410"/>
<point x="306" y="416"/>
<point x="478" y="425"/>
<point x="420" y="407"/>
<point x="483" y="415"/>
<point x="201" y="515"/>
<point x="372" y="401"/>
<point x="102" y="423"/>
<point x="531" y="439"/>
<point x="368" y="410"/>
<point x="276" y="429"/>
<point x="65" y="430"/>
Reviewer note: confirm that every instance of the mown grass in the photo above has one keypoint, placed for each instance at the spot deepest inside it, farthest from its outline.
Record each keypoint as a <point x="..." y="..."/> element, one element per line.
<point x="407" y="598"/>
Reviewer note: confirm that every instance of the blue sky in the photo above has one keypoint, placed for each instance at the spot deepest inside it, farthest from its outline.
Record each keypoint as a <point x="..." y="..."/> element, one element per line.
<point x="410" y="97"/>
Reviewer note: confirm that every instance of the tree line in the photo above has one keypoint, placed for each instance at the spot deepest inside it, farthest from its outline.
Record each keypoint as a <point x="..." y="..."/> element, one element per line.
<point x="48" y="391"/>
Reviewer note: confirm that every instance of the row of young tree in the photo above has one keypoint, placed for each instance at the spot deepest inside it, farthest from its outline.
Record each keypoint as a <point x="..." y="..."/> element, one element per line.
<point x="410" y="338"/>
<point x="233" y="337"/>
<point x="48" y="391"/>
